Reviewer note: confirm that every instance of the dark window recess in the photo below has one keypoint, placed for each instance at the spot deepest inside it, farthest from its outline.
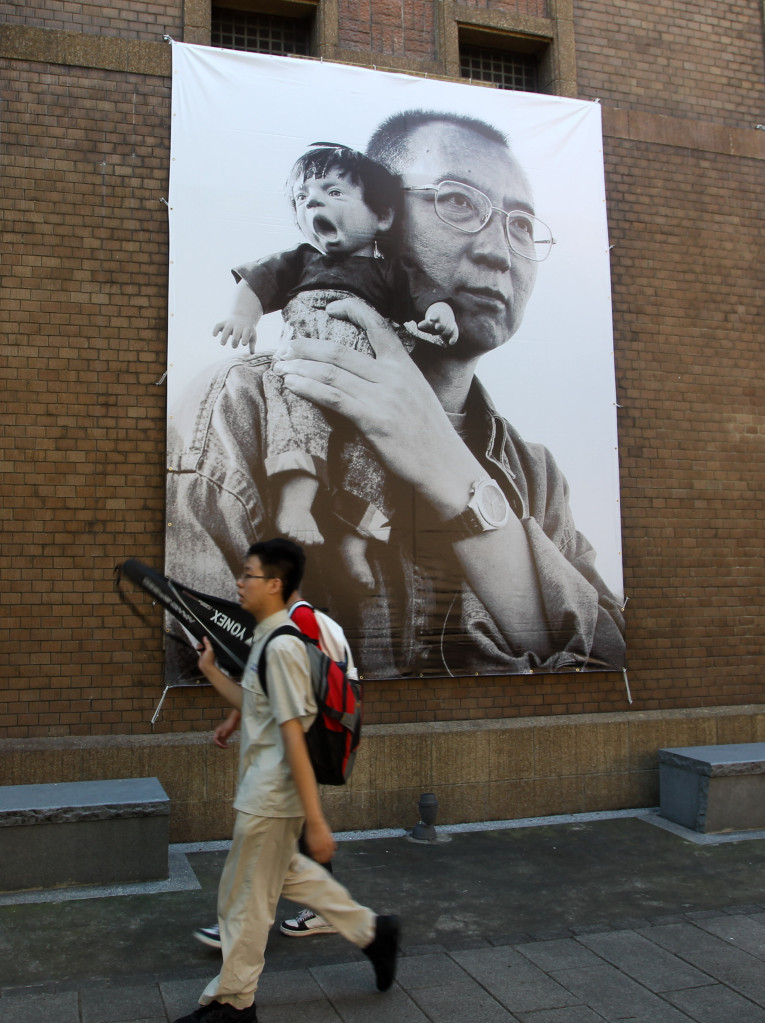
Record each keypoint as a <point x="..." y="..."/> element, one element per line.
<point x="504" y="69"/>
<point x="260" y="33"/>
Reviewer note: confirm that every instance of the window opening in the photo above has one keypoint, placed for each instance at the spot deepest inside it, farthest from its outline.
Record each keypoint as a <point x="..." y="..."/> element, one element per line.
<point x="503" y="68"/>
<point x="260" y="33"/>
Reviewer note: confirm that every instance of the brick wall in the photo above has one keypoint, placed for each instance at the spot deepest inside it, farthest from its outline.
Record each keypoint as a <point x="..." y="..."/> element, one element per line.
<point x="85" y="163"/>
<point x="687" y="267"/>
<point x="681" y="58"/>
<point x="85" y="157"/>
<point x="389" y="27"/>
<point x="129" y="19"/>
<point x="535" y="8"/>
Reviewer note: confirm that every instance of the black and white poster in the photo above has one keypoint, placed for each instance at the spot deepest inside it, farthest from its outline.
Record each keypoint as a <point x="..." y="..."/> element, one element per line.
<point x="390" y="339"/>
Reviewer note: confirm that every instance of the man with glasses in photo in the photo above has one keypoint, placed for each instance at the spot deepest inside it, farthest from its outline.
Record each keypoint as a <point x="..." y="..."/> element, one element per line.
<point x="484" y="571"/>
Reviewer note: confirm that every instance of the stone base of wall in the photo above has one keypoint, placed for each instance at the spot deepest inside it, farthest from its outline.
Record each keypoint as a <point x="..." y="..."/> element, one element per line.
<point x="479" y="770"/>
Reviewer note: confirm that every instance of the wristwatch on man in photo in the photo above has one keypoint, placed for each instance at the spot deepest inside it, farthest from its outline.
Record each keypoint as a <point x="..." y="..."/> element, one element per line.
<point x="487" y="509"/>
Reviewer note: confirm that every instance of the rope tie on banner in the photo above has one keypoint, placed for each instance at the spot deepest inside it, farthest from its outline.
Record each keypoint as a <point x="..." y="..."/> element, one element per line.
<point x="168" y="39"/>
<point x="624" y="670"/>
<point x="627" y="686"/>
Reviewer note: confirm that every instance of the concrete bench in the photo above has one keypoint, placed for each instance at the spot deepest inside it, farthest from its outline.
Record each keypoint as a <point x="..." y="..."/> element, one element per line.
<point x="87" y="832"/>
<point x="714" y="789"/>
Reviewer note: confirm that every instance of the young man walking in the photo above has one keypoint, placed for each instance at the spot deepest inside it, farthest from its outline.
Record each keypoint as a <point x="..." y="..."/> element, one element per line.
<point x="306" y="923"/>
<point x="277" y="797"/>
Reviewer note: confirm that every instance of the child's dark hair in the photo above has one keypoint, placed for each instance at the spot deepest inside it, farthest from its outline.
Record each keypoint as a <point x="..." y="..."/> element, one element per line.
<point x="381" y="189"/>
<point x="281" y="559"/>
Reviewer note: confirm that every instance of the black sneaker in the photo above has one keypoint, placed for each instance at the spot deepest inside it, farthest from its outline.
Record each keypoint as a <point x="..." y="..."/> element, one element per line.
<point x="208" y="935"/>
<point x="220" y="1012"/>
<point x="383" y="950"/>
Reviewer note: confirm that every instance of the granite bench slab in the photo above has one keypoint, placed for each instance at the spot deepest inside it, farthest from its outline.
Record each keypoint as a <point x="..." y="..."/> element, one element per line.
<point x="91" y="832"/>
<point x="714" y="789"/>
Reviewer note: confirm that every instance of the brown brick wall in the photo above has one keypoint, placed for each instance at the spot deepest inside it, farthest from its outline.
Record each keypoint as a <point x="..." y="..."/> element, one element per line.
<point x="535" y="8"/>
<point x="129" y="19"/>
<point x="681" y="57"/>
<point x="85" y="156"/>
<point x="389" y="27"/>
<point x="687" y="269"/>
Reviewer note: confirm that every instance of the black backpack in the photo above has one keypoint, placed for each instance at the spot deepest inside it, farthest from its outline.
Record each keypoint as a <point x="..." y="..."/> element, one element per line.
<point x="335" y="734"/>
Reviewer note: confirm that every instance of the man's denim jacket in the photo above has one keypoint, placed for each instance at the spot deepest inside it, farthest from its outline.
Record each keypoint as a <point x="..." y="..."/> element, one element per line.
<point x="423" y="618"/>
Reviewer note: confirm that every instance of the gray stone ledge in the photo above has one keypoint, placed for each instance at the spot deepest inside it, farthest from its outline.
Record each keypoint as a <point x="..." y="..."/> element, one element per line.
<point x="71" y="802"/>
<point x="723" y="761"/>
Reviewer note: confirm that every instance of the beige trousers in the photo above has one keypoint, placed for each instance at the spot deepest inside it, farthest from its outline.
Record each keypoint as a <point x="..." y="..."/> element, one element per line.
<point x="262" y="865"/>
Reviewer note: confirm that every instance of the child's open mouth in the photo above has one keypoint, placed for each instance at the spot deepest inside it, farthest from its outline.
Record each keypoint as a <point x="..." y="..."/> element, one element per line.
<point x="324" y="229"/>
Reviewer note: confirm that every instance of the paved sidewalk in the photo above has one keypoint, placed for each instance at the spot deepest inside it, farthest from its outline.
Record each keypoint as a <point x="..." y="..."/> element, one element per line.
<point x="576" y="921"/>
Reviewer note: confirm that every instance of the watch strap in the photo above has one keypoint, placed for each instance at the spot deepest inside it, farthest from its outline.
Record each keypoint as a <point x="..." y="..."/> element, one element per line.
<point x="466" y="524"/>
<point x="471" y="521"/>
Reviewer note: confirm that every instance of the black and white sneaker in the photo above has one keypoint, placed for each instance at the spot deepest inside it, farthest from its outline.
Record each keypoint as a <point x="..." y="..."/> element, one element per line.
<point x="305" y="924"/>
<point x="220" y="1012"/>
<point x="208" y="935"/>
<point x="383" y="950"/>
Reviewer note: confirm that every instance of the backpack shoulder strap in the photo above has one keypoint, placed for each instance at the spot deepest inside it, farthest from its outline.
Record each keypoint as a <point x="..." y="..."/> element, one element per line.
<point x="282" y="630"/>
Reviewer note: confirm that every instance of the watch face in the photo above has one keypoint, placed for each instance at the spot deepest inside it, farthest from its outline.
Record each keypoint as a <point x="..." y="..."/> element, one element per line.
<point x="492" y="504"/>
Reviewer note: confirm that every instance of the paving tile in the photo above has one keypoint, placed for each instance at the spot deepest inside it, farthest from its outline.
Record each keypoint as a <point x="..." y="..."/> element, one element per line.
<point x="615" y="996"/>
<point x="684" y="939"/>
<point x="571" y="1014"/>
<point x="428" y="971"/>
<point x="458" y="942"/>
<point x="182" y="996"/>
<point x="114" y="1003"/>
<point x="303" y="1012"/>
<point x="514" y="981"/>
<point x="716" y="1004"/>
<point x="422" y="950"/>
<point x="287" y="987"/>
<point x="732" y="966"/>
<point x="655" y="968"/>
<point x="350" y="990"/>
<point x="563" y="954"/>
<point x="346" y="981"/>
<point x="23" y="1008"/>
<point x="465" y="1002"/>
<point x="394" y="1006"/>
<point x="745" y="932"/>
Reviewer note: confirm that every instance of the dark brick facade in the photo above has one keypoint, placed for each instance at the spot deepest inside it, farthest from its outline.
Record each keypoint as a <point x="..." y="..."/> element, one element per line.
<point x="699" y="61"/>
<point x="85" y="158"/>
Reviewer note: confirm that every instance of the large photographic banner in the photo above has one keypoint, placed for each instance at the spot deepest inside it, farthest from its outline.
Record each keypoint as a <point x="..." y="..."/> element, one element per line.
<point x="494" y="224"/>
